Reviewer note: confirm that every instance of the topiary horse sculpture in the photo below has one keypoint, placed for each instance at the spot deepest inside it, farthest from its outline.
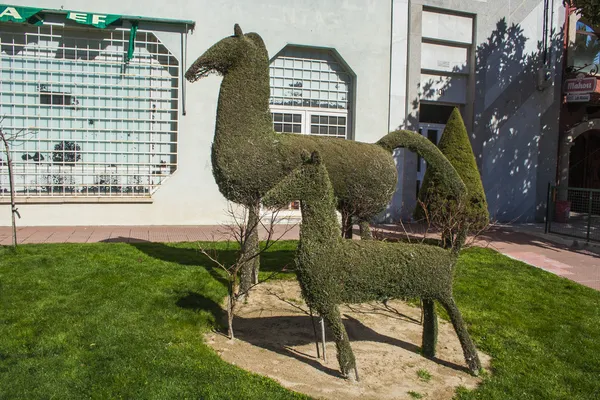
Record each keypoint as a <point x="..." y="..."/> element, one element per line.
<point x="334" y="271"/>
<point x="249" y="157"/>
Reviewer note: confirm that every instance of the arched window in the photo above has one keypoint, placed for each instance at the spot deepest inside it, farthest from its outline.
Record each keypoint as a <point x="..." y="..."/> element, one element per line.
<point x="96" y="126"/>
<point x="311" y="92"/>
<point x="586" y="51"/>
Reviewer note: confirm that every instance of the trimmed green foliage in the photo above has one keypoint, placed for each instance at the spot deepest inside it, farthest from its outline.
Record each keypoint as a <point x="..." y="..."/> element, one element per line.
<point x="113" y="320"/>
<point x="249" y="157"/>
<point x="333" y="271"/>
<point x="456" y="147"/>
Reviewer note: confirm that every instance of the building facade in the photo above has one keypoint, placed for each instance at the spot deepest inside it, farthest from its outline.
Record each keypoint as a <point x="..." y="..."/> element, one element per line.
<point x="109" y="132"/>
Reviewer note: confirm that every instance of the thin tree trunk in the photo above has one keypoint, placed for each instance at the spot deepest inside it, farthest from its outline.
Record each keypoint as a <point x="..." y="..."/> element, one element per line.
<point x="13" y="206"/>
<point x="230" y="310"/>
<point x="346" y="224"/>
<point x="251" y="263"/>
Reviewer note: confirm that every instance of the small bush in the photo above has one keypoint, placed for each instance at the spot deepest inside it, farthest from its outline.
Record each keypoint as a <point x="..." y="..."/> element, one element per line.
<point x="424" y="375"/>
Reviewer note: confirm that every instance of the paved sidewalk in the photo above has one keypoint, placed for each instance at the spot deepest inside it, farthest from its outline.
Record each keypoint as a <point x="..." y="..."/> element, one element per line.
<point x="529" y="244"/>
<point x="128" y="234"/>
<point x="551" y="253"/>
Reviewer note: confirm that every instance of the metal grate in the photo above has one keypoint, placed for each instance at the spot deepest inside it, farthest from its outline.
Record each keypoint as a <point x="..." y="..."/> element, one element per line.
<point x="578" y="216"/>
<point x="97" y="126"/>
<point x="309" y="79"/>
<point x="314" y="89"/>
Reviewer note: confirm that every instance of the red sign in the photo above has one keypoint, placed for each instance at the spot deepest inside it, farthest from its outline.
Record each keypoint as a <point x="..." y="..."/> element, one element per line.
<point x="581" y="85"/>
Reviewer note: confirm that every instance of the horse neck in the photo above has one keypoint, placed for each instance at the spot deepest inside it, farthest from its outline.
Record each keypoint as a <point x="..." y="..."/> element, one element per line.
<point x="243" y="108"/>
<point x="319" y="222"/>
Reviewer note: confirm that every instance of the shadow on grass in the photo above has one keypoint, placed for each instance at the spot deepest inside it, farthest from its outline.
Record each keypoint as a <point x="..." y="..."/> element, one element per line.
<point x="270" y="261"/>
<point x="281" y="334"/>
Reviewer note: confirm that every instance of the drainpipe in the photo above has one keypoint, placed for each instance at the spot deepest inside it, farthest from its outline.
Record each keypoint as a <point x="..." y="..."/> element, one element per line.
<point x="564" y="142"/>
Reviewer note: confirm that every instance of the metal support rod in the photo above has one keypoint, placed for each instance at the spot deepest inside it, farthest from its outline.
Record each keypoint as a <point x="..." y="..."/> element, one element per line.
<point x="312" y="319"/>
<point x="323" y="339"/>
<point x="548" y="208"/>
<point x="589" y="224"/>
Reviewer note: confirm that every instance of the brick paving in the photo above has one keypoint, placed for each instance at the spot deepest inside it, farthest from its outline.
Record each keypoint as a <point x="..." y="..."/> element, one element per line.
<point x="548" y="252"/>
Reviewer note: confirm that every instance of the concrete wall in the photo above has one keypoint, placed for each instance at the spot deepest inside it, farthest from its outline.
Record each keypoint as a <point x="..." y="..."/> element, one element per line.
<point x="513" y="125"/>
<point x="359" y="30"/>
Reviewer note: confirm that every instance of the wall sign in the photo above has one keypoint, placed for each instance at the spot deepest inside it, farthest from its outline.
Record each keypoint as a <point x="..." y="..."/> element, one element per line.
<point x="581" y="85"/>
<point x="578" y="98"/>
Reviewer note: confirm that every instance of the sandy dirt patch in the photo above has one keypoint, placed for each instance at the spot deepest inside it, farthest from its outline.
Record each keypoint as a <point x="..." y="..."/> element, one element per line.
<point x="274" y="337"/>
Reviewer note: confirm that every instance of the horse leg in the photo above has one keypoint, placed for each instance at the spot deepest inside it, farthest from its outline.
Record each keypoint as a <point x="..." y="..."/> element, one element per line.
<point x="250" y="251"/>
<point x="345" y="355"/>
<point x="365" y="230"/>
<point x="430" y="328"/>
<point x="469" y="350"/>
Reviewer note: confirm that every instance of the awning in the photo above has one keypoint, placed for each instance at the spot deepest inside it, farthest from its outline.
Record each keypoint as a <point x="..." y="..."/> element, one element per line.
<point x="35" y="16"/>
<point x="19" y="14"/>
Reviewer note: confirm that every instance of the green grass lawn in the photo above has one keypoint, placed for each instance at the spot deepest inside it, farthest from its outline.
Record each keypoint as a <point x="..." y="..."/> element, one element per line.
<point x="114" y="320"/>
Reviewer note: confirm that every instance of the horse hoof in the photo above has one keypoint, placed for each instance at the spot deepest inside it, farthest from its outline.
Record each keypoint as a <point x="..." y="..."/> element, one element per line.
<point x="352" y="375"/>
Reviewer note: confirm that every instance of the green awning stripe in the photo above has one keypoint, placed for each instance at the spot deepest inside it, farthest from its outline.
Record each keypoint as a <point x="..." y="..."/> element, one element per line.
<point x="19" y="14"/>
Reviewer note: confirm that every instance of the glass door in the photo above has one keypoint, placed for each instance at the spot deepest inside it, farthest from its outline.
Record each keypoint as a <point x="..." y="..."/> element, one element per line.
<point x="432" y="132"/>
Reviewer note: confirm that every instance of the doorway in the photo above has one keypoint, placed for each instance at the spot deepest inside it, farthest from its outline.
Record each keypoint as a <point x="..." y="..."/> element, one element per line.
<point x="584" y="161"/>
<point x="433" y="132"/>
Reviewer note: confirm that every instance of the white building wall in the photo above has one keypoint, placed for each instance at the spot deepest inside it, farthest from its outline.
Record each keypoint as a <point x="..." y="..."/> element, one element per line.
<point x="359" y="30"/>
<point x="513" y="125"/>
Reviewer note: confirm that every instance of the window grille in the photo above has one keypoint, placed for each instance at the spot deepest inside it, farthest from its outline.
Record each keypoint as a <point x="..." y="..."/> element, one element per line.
<point x="93" y="125"/>
<point x="312" y="90"/>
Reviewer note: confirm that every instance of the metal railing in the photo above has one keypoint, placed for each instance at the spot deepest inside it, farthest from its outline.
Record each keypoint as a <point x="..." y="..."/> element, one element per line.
<point x="574" y="213"/>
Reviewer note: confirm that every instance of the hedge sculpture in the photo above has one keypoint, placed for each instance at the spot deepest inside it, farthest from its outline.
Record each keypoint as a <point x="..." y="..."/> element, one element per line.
<point x="456" y="146"/>
<point x="249" y="157"/>
<point x="334" y="271"/>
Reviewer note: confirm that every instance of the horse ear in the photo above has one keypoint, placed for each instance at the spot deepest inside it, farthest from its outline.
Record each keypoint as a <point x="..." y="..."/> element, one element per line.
<point x="305" y="156"/>
<point x="315" y="158"/>
<point x="237" y="31"/>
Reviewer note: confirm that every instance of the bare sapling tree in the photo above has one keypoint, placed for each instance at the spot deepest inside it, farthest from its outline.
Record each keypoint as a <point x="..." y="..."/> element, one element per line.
<point x="240" y="233"/>
<point x="7" y="139"/>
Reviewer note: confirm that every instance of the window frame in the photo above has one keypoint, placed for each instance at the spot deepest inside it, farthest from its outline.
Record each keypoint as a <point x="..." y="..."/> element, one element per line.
<point x="307" y="113"/>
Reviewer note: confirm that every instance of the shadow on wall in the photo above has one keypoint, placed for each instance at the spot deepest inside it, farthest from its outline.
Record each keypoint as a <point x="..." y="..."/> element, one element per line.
<point x="515" y="131"/>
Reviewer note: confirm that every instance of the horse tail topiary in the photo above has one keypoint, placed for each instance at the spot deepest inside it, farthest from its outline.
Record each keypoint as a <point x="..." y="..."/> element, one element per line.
<point x="438" y="166"/>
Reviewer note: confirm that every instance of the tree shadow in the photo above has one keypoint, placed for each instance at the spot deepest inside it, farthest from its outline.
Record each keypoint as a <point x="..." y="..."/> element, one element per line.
<point x="514" y="132"/>
<point x="280" y="334"/>
<point x="185" y="254"/>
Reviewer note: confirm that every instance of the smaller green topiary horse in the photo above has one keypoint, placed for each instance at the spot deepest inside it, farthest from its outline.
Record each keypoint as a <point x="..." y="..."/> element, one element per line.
<point x="334" y="271"/>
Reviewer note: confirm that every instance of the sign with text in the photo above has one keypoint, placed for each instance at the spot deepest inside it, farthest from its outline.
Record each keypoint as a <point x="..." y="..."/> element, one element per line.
<point x="578" y="98"/>
<point x="17" y="14"/>
<point x="31" y="15"/>
<point x="97" y="20"/>
<point x="581" y="85"/>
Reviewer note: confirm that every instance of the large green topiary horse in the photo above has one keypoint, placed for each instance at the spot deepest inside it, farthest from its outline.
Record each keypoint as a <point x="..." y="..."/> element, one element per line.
<point x="334" y="271"/>
<point x="249" y="157"/>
